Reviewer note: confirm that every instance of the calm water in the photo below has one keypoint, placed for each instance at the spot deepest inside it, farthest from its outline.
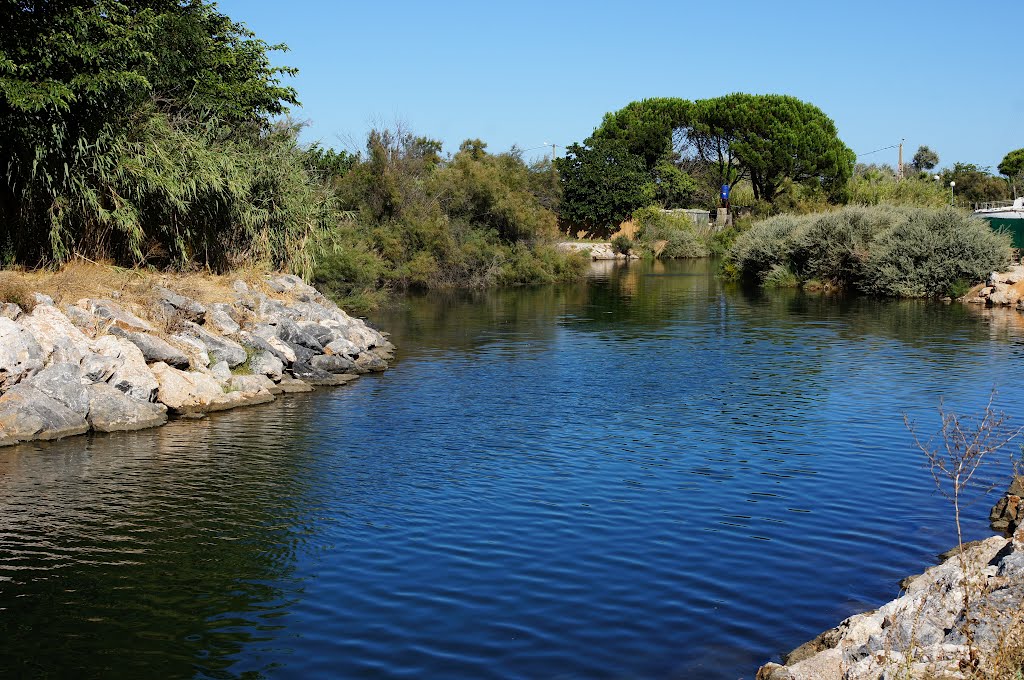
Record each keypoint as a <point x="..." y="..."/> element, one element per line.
<point x="647" y="476"/>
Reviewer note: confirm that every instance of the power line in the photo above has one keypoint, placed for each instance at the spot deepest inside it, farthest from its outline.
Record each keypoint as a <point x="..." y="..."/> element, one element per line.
<point x="884" y="148"/>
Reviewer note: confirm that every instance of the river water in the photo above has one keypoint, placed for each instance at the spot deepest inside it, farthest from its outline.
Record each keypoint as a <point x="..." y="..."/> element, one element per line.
<point x="648" y="475"/>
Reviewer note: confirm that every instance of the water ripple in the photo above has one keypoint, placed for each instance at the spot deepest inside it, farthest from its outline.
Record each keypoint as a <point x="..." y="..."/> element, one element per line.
<point x="647" y="476"/>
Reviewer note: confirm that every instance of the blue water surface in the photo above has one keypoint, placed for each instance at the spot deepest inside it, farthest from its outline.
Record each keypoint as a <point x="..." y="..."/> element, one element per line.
<point x="647" y="475"/>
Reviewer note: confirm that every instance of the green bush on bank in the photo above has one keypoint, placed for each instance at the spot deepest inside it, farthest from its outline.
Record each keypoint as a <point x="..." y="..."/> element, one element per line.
<point x="677" y="230"/>
<point x="883" y="250"/>
<point x="421" y="221"/>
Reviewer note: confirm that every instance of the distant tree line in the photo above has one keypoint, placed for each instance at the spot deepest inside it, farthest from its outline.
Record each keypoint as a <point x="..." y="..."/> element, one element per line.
<point x="774" y="153"/>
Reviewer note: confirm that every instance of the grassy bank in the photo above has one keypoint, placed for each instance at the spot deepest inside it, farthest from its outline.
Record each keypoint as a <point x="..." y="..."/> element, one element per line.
<point x="882" y="250"/>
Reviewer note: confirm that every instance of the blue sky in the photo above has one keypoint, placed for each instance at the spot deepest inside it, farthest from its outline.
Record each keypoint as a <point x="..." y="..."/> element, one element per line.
<point x="938" y="73"/>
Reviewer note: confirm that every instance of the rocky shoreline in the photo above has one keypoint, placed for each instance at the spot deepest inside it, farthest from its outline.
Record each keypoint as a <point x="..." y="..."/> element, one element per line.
<point x="111" y="364"/>
<point x="596" y="251"/>
<point x="928" y="632"/>
<point x="1003" y="289"/>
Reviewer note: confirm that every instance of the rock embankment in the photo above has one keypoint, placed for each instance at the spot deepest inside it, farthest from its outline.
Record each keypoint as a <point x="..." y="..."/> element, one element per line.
<point x="597" y="251"/>
<point x="107" y="364"/>
<point x="928" y="632"/>
<point x="1003" y="289"/>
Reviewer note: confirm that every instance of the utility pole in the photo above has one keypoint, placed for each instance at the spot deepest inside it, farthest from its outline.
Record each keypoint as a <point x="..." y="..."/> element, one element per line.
<point x="553" y="147"/>
<point x="553" y="179"/>
<point x="899" y="162"/>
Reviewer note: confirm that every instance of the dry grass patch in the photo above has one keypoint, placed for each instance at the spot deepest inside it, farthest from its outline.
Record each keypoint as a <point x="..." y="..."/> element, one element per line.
<point x="14" y="288"/>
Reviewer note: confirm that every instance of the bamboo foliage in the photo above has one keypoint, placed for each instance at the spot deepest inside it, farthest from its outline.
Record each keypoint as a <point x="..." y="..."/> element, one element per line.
<point x="139" y="132"/>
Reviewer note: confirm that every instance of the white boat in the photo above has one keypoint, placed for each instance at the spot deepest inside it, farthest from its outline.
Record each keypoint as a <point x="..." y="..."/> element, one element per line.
<point x="1006" y="210"/>
<point x="1005" y="216"/>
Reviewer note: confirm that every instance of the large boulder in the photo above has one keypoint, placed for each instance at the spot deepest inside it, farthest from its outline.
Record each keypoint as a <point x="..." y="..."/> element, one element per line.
<point x="921" y="633"/>
<point x="317" y="376"/>
<point x="221" y="318"/>
<point x="342" y="347"/>
<point x="63" y="382"/>
<point x="218" y="347"/>
<point x="111" y="410"/>
<point x="10" y="310"/>
<point x="252" y="384"/>
<point x="264" y="337"/>
<point x="130" y="373"/>
<point x="1008" y="513"/>
<point x="335" y="364"/>
<point x="185" y="391"/>
<point x="322" y="334"/>
<point x="293" y="334"/>
<point x="178" y="307"/>
<point x="198" y="355"/>
<point x="114" y="314"/>
<point x="20" y="354"/>
<point x="154" y="348"/>
<point x="27" y="414"/>
<point x="370" y="363"/>
<point x="85" y="321"/>
<point x="267" y="364"/>
<point x="56" y="334"/>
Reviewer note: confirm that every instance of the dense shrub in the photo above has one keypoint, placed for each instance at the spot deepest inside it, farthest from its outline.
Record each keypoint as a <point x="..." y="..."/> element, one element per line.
<point x="885" y="250"/>
<point x="422" y="221"/>
<point x="677" y="230"/>
<point x="878" y="184"/>
<point x="146" y="137"/>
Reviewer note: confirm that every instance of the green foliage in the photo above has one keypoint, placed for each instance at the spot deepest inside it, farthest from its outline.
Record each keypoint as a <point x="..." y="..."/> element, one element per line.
<point x="673" y="188"/>
<point x="622" y="244"/>
<point x="974" y="184"/>
<point x="139" y="131"/>
<point x="771" y="140"/>
<point x="476" y="219"/>
<point x="776" y="138"/>
<point x="874" y="185"/>
<point x="780" y="276"/>
<point x="925" y="159"/>
<point x="677" y="230"/>
<point x="1012" y="164"/>
<point x="602" y="183"/>
<point x="328" y="164"/>
<point x="646" y="127"/>
<point x="883" y="250"/>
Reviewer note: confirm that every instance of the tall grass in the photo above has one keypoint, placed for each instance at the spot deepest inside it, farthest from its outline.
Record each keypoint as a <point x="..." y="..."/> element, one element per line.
<point x="883" y="250"/>
<point x="174" y="191"/>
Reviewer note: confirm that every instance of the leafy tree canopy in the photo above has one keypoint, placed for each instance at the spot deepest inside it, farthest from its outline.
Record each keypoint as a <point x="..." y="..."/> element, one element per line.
<point x="1012" y="164"/>
<point x="925" y="159"/>
<point x="602" y="183"/>
<point x="770" y="139"/>
<point x="974" y="184"/>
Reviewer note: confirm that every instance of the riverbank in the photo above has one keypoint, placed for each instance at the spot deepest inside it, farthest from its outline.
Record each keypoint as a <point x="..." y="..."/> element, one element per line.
<point x="959" y="619"/>
<point x="104" y="349"/>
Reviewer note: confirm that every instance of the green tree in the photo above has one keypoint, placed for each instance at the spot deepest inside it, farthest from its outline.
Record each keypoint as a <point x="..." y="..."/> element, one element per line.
<point x="777" y="138"/>
<point x="120" y="123"/>
<point x="602" y="184"/>
<point x="773" y="140"/>
<point x="646" y="127"/>
<point x="1012" y="167"/>
<point x="925" y="159"/>
<point x="974" y="184"/>
<point x="1012" y="163"/>
<point x="673" y="188"/>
